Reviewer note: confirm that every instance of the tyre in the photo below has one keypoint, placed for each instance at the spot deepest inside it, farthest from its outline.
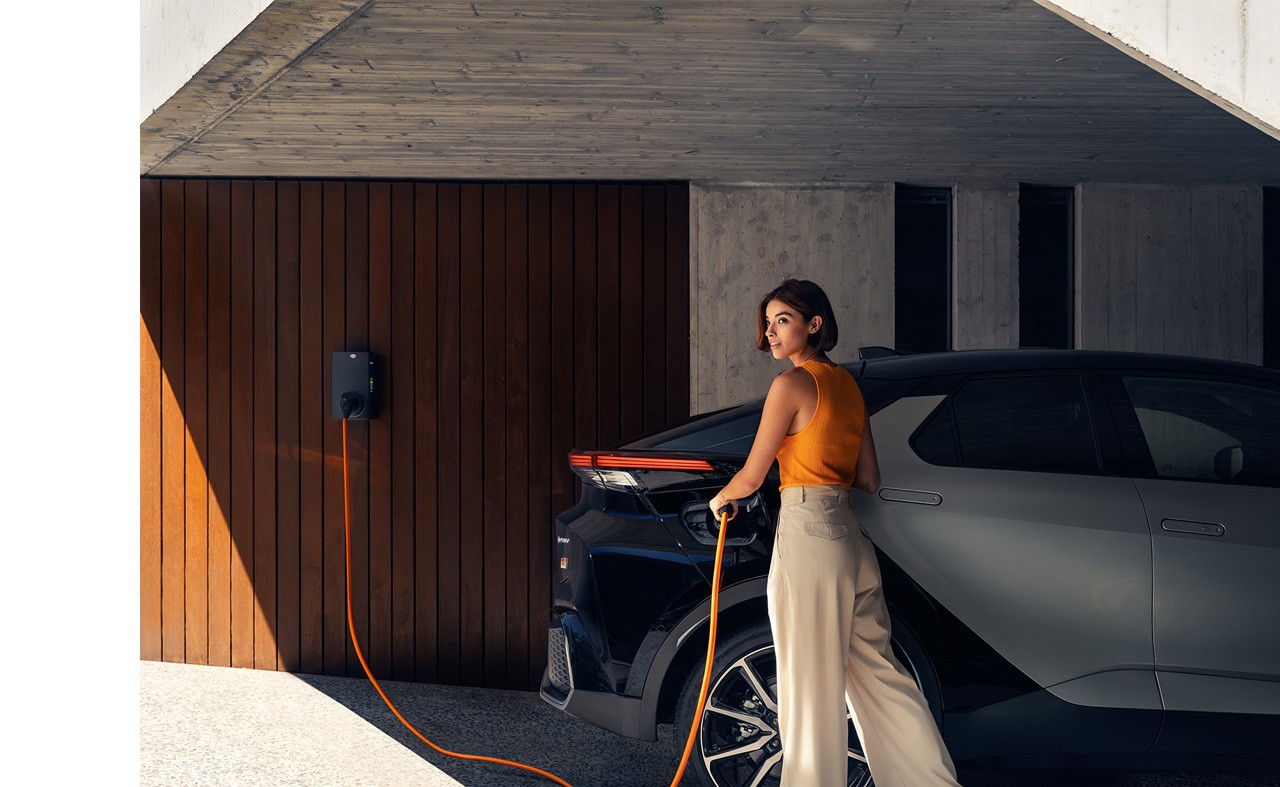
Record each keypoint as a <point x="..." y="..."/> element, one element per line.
<point x="738" y="743"/>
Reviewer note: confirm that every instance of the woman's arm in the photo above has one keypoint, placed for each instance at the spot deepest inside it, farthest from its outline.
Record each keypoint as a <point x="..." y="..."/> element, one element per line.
<point x="867" y="475"/>
<point x="780" y="406"/>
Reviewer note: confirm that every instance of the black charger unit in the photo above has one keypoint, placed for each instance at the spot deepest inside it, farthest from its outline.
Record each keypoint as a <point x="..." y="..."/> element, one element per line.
<point x="355" y="377"/>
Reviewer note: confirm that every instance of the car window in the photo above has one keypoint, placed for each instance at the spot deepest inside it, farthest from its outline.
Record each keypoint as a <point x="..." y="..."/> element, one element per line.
<point x="1038" y="423"/>
<point x="1208" y="430"/>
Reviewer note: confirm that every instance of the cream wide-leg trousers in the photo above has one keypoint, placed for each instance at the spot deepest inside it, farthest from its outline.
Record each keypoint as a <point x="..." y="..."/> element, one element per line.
<point x="831" y="638"/>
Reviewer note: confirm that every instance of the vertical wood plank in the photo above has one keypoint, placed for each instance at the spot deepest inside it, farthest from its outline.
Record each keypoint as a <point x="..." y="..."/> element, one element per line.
<point x="495" y="522"/>
<point x="173" y="435"/>
<point x="288" y="429"/>
<point x="380" y="433"/>
<point x="585" y="431"/>
<point x="218" y="452"/>
<point x="561" y="310"/>
<point x="195" y="413"/>
<point x="400" y="400"/>
<point x="264" y="423"/>
<point x="357" y="302"/>
<point x="333" y="200"/>
<point x="653" y="350"/>
<point x="677" y="274"/>
<point x="312" y="414"/>
<point x="449" y="320"/>
<point x="429" y="328"/>
<point x="631" y="309"/>
<point x="516" y="459"/>
<point x="608" y="345"/>
<point x="151" y="394"/>
<point x="541" y="317"/>
<point x="243" y="602"/>
<point x="471" y="522"/>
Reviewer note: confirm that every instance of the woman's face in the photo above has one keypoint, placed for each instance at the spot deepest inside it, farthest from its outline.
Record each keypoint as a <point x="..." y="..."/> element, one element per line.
<point x="787" y="332"/>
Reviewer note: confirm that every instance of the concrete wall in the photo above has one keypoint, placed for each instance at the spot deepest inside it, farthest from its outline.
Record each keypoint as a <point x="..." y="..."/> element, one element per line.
<point x="745" y="240"/>
<point x="1225" y="50"/>
<point x="984" y="266"/>
<point x="180" y="36"/>
<point x="1172" y="269"/>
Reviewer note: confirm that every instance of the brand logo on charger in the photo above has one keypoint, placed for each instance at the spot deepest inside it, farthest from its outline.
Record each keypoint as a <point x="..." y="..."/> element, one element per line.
<point x="561" y="540"/>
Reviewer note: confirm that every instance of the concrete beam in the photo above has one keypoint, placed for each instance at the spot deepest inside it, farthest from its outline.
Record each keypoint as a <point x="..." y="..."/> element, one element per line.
<point x="1222" y="50"/>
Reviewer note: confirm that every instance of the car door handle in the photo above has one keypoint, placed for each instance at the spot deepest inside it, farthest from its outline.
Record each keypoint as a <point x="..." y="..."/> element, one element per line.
<point x="1194" y="528"/>
<point x="910" y="496"/>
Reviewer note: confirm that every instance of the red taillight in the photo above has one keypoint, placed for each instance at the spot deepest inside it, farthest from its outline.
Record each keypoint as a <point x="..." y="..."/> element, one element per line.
<point x="616" y="471"/>
<point x="653" y="463"/>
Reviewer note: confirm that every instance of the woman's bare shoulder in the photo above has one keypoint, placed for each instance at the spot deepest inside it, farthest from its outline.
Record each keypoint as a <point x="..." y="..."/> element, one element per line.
<point x="793" y="382"/>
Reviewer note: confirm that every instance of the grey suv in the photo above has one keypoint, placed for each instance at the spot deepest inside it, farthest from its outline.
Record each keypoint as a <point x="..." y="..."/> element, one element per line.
<point x="1081" y="554"/>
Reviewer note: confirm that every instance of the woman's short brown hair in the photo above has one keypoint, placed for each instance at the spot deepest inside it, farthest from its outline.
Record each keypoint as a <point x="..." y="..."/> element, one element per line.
<point x="807" y="298"/>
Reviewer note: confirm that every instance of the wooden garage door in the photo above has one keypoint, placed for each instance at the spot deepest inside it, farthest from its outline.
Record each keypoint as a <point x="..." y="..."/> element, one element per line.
<point x="513" y="322"/>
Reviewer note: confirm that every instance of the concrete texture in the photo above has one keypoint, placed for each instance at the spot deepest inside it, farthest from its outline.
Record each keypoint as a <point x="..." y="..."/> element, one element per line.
<point x="1223" y="50"/>
<point x="224" y="726"/>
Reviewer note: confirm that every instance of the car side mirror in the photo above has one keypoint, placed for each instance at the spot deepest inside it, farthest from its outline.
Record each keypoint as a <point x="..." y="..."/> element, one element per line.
<point x="1228" y="462"/>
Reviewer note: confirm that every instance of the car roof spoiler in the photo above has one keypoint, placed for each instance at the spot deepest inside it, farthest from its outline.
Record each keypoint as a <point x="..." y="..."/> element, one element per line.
<point x="875" y="351"/>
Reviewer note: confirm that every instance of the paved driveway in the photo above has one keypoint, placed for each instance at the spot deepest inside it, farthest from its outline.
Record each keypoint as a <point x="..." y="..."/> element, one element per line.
<point x="221" y="726"/>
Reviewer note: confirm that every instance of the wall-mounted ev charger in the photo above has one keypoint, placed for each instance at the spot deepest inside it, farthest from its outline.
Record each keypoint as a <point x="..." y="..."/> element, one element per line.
<point x="355" y="378"/>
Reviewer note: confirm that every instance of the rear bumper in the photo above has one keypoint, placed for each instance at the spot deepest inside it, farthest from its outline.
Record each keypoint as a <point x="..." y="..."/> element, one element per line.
<point x="576" y="682"/>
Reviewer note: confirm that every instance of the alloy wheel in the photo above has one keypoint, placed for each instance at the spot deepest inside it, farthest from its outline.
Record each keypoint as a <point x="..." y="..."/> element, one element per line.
<point x="739" y="741"/>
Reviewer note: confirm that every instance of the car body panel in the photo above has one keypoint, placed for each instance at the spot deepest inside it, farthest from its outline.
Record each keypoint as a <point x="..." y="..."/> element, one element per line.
<point x="1201" y="627"/>
<point x="1053" y="570"/>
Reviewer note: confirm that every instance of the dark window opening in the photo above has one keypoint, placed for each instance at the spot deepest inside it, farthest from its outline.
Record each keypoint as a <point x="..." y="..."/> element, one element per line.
<point x="1046" y="251"/>
<point x="922" y="269"/>
<point x="1271" y="278"/>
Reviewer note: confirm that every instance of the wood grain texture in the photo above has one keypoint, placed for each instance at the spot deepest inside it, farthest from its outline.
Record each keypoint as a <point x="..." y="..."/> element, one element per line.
<point x="753" y="91"/>
<point x="448" y="337"/>
<point x="495" y="523"/>
<point x="195" y="410"/>
<point x="265" y="655"/>
<point x="217" y="451"/>
<point x="400" y="386"/>
<point x="459" y="289"/>
<point x="150" y="397"/>
<point x="313" y="413"/>
<point x="381" y="570"/>
<point x="288" y="453"/>
<point x="428" y="414"/>
<point x="519" y="613"/>
<point x="243" y="600"/>
<point x="172" y="424"/>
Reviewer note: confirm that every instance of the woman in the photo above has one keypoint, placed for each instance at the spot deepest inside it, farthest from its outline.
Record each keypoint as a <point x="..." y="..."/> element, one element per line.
<point x="826" y="607"/>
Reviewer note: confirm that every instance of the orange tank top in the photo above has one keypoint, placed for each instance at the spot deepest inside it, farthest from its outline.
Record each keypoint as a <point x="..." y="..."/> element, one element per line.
<point x="825" y="451"/>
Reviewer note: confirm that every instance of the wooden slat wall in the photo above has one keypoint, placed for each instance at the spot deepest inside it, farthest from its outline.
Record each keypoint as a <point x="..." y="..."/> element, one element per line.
<point x="514" y="322"/>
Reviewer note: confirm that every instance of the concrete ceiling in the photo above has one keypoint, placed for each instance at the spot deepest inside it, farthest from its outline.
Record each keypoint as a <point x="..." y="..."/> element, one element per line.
<point x="918" y="91"/>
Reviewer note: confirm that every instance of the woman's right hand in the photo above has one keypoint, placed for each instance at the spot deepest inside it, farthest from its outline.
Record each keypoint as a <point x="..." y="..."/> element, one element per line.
<point x="717" y="504"/>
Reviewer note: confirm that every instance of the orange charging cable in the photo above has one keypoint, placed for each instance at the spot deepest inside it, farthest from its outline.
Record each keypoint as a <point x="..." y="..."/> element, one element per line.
<point x="711" y="649"/>
<point x="355" y="642"/>
<point x="351" y="625"/>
